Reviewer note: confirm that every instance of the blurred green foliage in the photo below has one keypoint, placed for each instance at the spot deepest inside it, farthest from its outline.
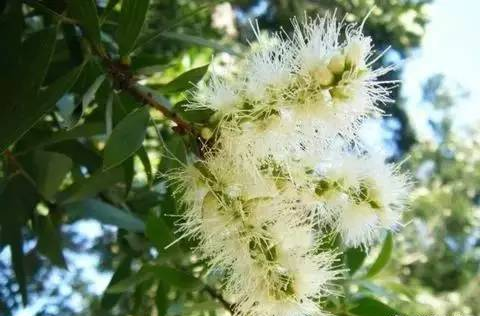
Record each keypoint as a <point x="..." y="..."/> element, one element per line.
<point x="79" y="143"/>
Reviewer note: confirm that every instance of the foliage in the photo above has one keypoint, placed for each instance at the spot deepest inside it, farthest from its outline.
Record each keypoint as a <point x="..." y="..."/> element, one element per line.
<point x="90" y="90"/>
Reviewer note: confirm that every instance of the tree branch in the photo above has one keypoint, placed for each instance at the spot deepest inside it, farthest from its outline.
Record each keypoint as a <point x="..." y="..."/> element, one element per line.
<point x="214" y="294"/>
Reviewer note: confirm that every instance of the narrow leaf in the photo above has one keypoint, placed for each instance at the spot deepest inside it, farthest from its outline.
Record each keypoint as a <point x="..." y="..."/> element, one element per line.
<point x="368" y="307"/>
<point x="383" y="257"/>
<point x="126" y="138"/>
<point x="16" y="121"/>
<point x="106" y="214"/>
<point x="91" y="186"/>
<point x="132" y="19"/>
<point x="123" y="271"/>
<point x="147" y="166"/>
<point x="161" y="299"/>
<point x="49" y="241"/>
<point x="50" y="171"/>
<point x="185" y="81"/>
<point x="176" y="278"/>
<point x="354" y="258"/>
<point x="121" y="286"/>
<point x="160" y="234"/>
<point x="85" y="11"/>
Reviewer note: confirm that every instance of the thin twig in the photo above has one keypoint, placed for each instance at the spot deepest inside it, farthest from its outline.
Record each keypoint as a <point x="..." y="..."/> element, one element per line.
<point x="214" y="294"/>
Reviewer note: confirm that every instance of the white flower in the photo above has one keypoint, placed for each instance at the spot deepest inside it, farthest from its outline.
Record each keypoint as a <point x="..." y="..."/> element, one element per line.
<point x="286" y="169"/>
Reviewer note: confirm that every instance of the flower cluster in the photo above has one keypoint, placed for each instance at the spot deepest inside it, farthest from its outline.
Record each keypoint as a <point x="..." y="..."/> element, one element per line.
<point x="287" y="169"/>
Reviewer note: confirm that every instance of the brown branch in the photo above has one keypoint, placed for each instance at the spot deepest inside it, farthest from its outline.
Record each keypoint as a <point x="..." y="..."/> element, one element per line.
<point x="123" y="79"/>
<point x="214" y="294"/>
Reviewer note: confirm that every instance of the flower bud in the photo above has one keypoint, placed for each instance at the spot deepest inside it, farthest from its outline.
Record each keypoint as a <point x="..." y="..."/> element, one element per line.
<point x="206" y="133"/>
<point x="337" y="64"/>
<point x="324" y="76"/>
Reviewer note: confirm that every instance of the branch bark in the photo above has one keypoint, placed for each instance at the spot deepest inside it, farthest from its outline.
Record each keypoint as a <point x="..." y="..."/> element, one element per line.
<point x="214" y="294"/>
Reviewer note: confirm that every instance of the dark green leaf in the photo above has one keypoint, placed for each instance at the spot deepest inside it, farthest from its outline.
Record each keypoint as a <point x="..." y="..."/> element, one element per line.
<point x="161" y="299"/>
<point x="123" y="271"/>
<point x="87" y="129"/>
<point x="126" y="138"/>
<point x="176" y="278"/>
<point x="106" y="214"/>
<point x="129" y="167"/>
<point x="132" y="18"/>
<point x="85" y="11"/>
<point x="123" y="285"/>
<point x="175" y="154"/>
<point x="193" y="115"/>
<point x="185" y="81"/>
<point x="383" y="257"/>
<point x="16" y="121"/>
<point x="92" y="185"/>
<point x="49" y="240"/>
<point x="371" y="307"/>
<point x="354" y="258"/>
<point x="17" y="202"/>
<point x="15" y="241"/>
<point x="142" y="154"/>
<point x="37" y="51"/>
<point x="189" y="39"/>
<point x="160" y="234"/>
<point x="50" y="169"/>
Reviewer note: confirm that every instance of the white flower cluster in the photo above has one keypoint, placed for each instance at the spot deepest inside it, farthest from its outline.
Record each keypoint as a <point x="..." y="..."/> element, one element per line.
<point x="286" y="168"/>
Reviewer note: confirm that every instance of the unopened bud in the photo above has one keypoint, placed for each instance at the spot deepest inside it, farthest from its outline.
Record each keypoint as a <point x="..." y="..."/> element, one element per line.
<point x="324" y="76"/>
<point x="340" y="93"/>
<point x="206" y="133"/>
<point x="337" y="64"/>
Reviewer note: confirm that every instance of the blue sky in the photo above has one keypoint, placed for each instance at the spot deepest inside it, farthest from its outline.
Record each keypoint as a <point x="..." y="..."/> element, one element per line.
<point x="451" y="46"/>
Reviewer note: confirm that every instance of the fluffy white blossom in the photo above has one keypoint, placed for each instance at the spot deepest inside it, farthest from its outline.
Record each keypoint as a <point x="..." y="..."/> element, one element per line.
<point x="285" y="169"/>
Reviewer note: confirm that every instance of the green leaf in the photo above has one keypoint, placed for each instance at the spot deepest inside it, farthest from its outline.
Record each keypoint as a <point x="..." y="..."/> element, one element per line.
<point x="129" y="169"/>
<point x="161" y="299"/>
<point x="92" y="185"/>
<point x="132" y="19"/>
<point x="201" y="116"/>
<point x="175" y="155"/>
<point x="142" y="154"/>
<point x="141" y="276"/>
<point x="126" y="138"/>
<point x="369" y="307"/>
<point x="17" y="120"/>
<point x="49" y="240"/>
<point x="15" y="241"/>
<point x="354" y="258"/>
<point x="123" y="271"/>
<point x="85" y="11"/>
<point x="160" y="234"/>
<point x="176" y="278"/>
<point x="37" y="51"/>
<point x="383" y="257"/>
<point x="106" y="214"/>
<point x="17" y="202"/>
<point x="185" y="81"/>
<point x="50" y="171"/>
<point x="189" y="39"/>
<point x="88" y="129"/>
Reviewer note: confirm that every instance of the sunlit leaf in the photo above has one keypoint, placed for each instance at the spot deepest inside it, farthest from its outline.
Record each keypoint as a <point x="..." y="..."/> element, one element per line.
<point x="185" y="81"/>
<point x="383" y="257"/>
